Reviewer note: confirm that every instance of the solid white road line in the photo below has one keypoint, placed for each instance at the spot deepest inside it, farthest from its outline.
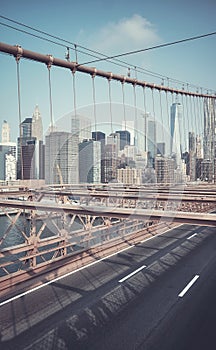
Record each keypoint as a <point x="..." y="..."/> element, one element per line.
<point x="195" y="234"/>
<point x="72" y="272"/>
<point x="61" y="277"/>
<point x="188" y="286"/>
<point x="131" y="274"/>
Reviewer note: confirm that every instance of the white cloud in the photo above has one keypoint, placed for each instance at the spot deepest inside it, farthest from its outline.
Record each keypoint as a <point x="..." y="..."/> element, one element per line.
<point x="131" y="33"/>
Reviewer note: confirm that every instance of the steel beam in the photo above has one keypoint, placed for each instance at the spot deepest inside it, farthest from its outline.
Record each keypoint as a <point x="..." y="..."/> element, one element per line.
<point x="18" y="51"/>
<point x="141" y="214"/>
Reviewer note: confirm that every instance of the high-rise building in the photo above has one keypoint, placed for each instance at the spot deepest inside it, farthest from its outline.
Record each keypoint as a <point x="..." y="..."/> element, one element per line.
<point x="8" y="151"/>
<point x="59" y="166"/>
<point x="192" y="156"/>
<point x="81" y="126"/>
<point x="175" y="132"/>
<point x="5" y="132"/>
<point x="110" y="162"/>
<point x="37" y="126"/>
<point x="90" y="161"/>
<point x="199" y="148"/>
<point x="130" y="152"/>
<point x="30" y="148"/>
<point x="10" y="167"/>
<point x="129" y="126"/>
<point x="7" y="161"/>
<point x="130" y="176"/>
<point x="161" y="148"/>
<point x="101" y="137"/>
<point x="33" y="159"/>
<point x="26" y="128"/>
<point x="164" y="170"/>
<point x="124" y="138"/>
<point x="114" y="139"/>
<point x="207" y="170"/>
<point x="151" y="142"/>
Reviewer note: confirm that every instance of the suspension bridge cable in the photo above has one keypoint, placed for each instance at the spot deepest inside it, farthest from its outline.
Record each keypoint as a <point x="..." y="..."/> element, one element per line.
<point x="155" y="47"/>
<point x="27" y="54"/>
<point x="104" y="57"/>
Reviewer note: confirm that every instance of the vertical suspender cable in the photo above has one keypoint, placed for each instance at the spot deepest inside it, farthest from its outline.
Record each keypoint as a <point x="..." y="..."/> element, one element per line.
<point x="199" y="116"/>
<point x="161" y="114"/>
<point x="123" y="101"/>
<point x="184" y="124"/>
<point x="213" y="105"/>
<point x="94" y="104"/>
<point x="145" y="118"/>
<point x="187" y="113"/>
<point x="154" y="119"/>
<point x="50" y="93"/>
<point x="135" y="117"/>
<point x="110" y="103"/>
<point x="192" y="127"/>
<point x="168" y="110"/>
<point x="74" y="94"/>
<point x="153" y="103"/>
<point x="19" y="111"/>
<point x="195" y="116"/>
<point x="75" y="129"/>
<point x="199" y="99"/>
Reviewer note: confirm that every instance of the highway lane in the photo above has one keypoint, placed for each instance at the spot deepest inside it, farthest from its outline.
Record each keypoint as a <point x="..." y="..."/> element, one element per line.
<point x="124" y="302"/>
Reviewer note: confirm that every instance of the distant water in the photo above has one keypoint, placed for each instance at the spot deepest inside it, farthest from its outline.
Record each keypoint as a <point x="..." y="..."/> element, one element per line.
<point x="13" y="237"/>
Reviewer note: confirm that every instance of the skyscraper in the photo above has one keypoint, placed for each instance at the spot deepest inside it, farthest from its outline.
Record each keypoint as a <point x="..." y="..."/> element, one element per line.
<point x="30" y="155"/>
<point x="151" y="142"/>
<point x="59" y="167"/>
<point x="124" y="138"/>
<point x="175" y="132"/>
<point x="161" y="148"/>
<point x="101" y="137"/>
<point x="7" y="155"/>
<point x="90" y="161"/>
<point x="37" y="126"/>
<point x="7" y="161"/>
<point x="199" y="148"/>
<point x="81" y="126"/>
<point x="5" y="132"/>
<point x="192" y="156"/>
<point x="114" y="139"/>
<point x="129" y="126"/>
<point x="110" y="163"/>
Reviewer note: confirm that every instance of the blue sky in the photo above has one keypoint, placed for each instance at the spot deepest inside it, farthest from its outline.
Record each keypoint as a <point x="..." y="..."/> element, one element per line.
<point x="110" y="27"/>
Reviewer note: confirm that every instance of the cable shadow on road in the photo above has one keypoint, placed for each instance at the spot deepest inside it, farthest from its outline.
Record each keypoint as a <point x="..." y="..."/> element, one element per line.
<point x="77" y="325"/>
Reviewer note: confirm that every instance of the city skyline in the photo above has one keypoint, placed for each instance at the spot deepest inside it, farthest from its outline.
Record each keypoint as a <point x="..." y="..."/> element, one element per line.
<point x="72" y="156"/>
<point x="122" y="27"/>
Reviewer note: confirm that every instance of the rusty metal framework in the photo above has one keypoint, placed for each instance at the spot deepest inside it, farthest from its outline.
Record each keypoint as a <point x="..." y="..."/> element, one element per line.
<point x="47" y="226"/>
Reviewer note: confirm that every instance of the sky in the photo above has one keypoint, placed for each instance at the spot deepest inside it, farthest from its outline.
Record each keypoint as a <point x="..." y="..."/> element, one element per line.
<point x="111" y="28"/>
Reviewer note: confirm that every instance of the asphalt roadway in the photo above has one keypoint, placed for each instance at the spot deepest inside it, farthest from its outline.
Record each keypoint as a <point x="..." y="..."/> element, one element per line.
<point x="157" y="295"/>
